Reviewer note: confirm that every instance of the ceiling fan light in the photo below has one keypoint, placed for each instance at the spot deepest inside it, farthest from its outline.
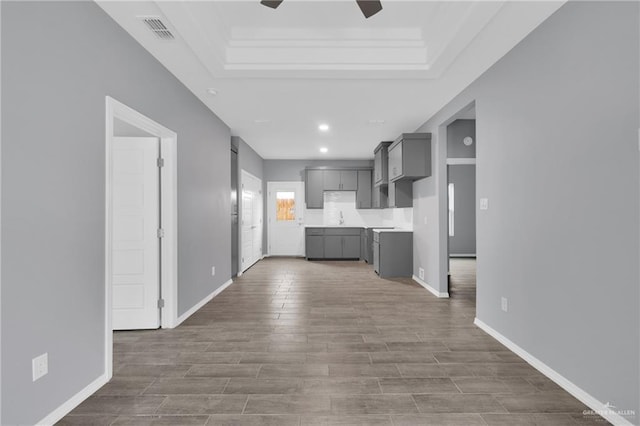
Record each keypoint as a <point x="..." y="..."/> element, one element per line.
<point x="369" y="7"/>
<point x="273" y="4"/>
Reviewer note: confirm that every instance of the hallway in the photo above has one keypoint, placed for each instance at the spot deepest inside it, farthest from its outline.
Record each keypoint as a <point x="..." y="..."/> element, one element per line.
<point x="293" y="342"/>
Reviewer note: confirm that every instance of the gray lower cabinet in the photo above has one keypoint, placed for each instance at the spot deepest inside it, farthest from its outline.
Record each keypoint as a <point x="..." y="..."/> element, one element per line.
<point x="333" y="243"/>
<point x="351" y="246"/>
<point x="333" y="246"/>
<point x="315" y="246"/>
<point x="393" y="254"/>
<point x="363" y="194"/>
<point x="314" y="189"/>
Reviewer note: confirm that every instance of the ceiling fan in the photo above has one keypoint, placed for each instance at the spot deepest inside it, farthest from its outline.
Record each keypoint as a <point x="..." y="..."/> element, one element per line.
<point x="368" y="7"/>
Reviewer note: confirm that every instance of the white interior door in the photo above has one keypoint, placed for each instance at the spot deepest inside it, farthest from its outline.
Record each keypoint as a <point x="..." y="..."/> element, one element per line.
<point x="251" y="206"/>
<point x="286" y="218"/>
<point x="136" y="204"/>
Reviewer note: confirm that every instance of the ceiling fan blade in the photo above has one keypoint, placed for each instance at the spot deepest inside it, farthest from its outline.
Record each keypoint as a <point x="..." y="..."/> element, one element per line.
<point x="273" y="4"/>
<point x="369" y="7"/>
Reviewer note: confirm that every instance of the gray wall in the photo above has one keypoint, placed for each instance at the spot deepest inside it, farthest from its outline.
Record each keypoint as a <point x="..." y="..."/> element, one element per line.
<point x="248" y="159"/>
<point x="463" y="177"/>
<point x="53" y="191"/>
<point x="557" y="156"/>
<point x="456" y="132"/>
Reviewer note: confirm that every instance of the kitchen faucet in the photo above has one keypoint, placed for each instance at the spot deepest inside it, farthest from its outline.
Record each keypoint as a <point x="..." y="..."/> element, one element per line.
<point x="341" y="218"/>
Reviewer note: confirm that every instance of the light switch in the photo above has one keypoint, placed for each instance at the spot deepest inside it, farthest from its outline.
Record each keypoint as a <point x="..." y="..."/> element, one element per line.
<point x="484" y="204"/>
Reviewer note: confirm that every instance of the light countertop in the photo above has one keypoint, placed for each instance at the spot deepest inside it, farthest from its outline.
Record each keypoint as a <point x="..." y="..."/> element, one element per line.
<point x="348" y="226"/>
<point x="391" y="230"/>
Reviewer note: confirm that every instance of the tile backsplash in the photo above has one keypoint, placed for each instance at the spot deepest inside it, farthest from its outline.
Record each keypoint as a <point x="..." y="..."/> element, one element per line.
<point x="337" y="203"/>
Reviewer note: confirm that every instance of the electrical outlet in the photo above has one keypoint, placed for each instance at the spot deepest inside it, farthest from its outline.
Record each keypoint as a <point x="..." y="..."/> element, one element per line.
<point x="40" y="366"/>
<point x="425" y="220"/>
<point x="213" y="271"/>
<point x="421" y="273"/>
<point x="484" y="204"/>
<point x="505" y="304"/>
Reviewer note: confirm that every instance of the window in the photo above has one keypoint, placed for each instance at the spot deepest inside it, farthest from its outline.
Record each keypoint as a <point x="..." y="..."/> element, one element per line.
<point x="451" y="209"/>
<point x="285" y="206"/>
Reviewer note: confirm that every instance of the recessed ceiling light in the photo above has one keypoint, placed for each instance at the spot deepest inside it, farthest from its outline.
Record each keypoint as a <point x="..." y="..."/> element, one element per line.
<point x="323" y="127"/>
<point x="376" y="121"/>
<point x="324" y="150"/>
<point x="262" y="121"/>
<point x="212" y="91"/>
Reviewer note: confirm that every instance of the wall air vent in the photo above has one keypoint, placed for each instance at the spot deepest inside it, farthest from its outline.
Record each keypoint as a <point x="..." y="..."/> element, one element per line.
<point x="155" y="24"/>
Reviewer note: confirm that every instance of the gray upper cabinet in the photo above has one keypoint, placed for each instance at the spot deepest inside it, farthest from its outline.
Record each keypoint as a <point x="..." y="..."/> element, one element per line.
<point x="332" y="180"/>
<point x="314" y="189"/>
<point x="380" y="195"/>
<point x="318" y="180"/>
<point x="363" y="195"/>
<point x="401" y="194"/>
<point x="410" y="157"/>
<point x="340" y="180"/>
<point x="381" y="164"/>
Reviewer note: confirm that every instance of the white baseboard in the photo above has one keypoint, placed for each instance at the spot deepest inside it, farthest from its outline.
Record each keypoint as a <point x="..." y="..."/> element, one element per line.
<point x="431" y="289"/>
<point x="57" y="414"/>
<point x="203" y="302"/>
<point x="596" y="406"/>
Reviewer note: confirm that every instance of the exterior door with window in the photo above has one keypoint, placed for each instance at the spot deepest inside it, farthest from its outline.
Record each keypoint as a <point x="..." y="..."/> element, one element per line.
<point x="286" y="218"/>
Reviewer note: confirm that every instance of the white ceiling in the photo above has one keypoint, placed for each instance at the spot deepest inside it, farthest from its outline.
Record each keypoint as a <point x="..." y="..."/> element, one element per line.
<point x="279" y="73"/>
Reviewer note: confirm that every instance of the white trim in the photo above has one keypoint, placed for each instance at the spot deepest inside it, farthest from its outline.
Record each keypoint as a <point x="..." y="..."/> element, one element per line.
<point x="0" y="211"/>
<point x="431" y="289"/>
<point x="203" y="302"/>
<point x="460" y="161"/>
<point x="169" y="206"/>
<point x="560" y="380"/>
<point x="462" y="255"/>
<point x="57" y="414"/>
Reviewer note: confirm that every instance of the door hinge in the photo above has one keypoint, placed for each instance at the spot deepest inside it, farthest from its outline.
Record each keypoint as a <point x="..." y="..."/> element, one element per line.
<point x="160" y="233"/>
<point x="160" y="162"/>
<point x="160" y="303"/>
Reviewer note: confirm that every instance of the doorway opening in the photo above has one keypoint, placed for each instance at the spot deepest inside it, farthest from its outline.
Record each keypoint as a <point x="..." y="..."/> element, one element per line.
<point x="251" y="212"/>
<point x="140" y="224"/>
<point x="461" y="203"/>
<point x="285" y="202"/>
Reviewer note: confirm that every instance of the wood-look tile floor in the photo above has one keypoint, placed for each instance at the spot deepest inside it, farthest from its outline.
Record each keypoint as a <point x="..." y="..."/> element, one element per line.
<point x="293" y="342"/>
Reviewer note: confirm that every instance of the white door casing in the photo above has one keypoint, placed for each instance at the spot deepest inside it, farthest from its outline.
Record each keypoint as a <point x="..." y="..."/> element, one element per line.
<point x="169" y="213"/>
<point x="286" y="230"/>
<point x="251" y="223"/>
<point x="136" y="209"/>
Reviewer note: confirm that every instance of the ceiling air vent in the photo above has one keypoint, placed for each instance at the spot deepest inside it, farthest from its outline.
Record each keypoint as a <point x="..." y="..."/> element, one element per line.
<point x="155" y="24"/>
